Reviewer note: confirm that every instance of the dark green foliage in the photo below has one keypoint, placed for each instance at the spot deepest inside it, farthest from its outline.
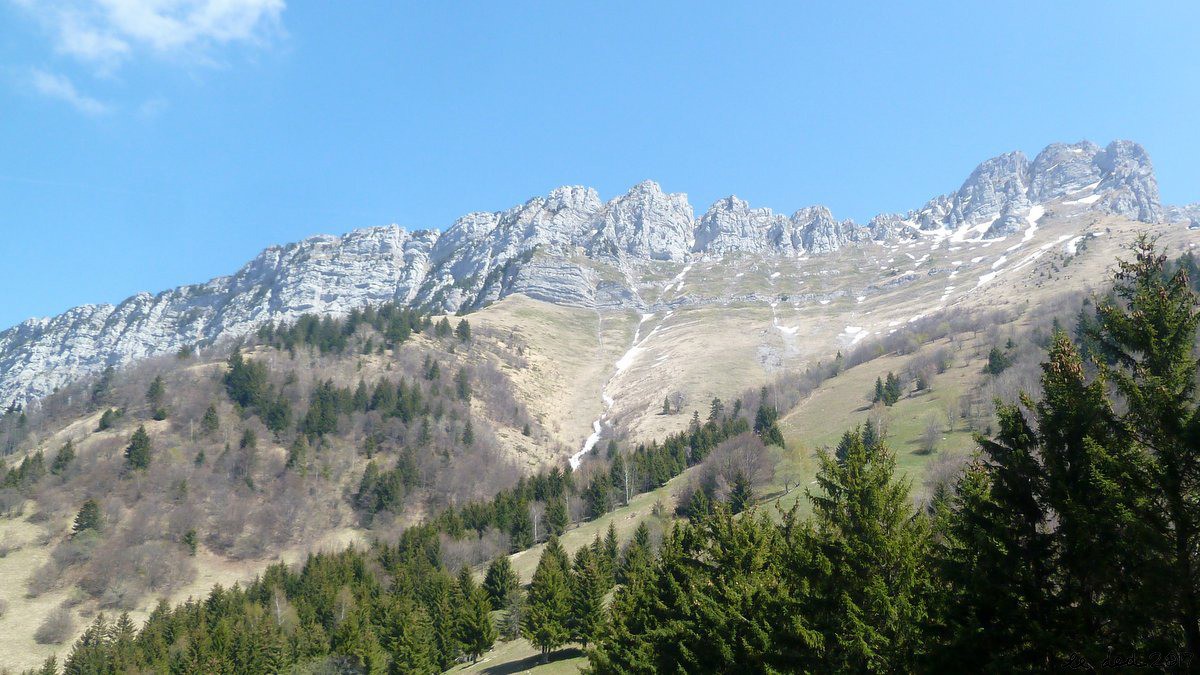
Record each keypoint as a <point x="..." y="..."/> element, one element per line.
<point x="500" y="582"/>
<point x="63" y="458"/>
<point x="463" y="330"/>
<point x="191" y="541"/>
<point x="476" y="632"/>
<point x="210" y="423"/>
<point x="109" y="418"/>
<point x="334" y="336"/>
<point x="156" y="393"/>
<point x="864" y="554"/>
<point x="88" y="518"/>
<point x="462" y="385"/>
<point x="766" y="424"/>
<point x="741" y="495"/>
<point x="443" y="328"/>
<point x="1073" y="540"/>
<point x="468" y="434"/>
<point x="997" y="362"/>
<point x="26" y="474"/>
<point x="548" y="607"/>
<point x="326" y="403"/>
<point x="137" y="453"/>
<point x="248" y="386"/>
<point x="557" y="517"/>
<point x="888" y="391"/>
<point x="102" y="389"/>
<point x="380" y="490"/>
<point x="715" y="601"/>
<point x="588" y="586"/>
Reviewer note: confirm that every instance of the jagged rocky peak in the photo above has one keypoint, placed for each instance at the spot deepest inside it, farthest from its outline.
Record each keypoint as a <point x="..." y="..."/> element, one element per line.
<point x="1064" y="169"/>
<point x="818" y="232"/>
<point x="644" y="222"/>
<point x="994" y="184"/>
<point x="1128" y="183"/>
<point x="533" y="248"/>
<point x="730" y="224"/>
<point x="1120" y="177"/>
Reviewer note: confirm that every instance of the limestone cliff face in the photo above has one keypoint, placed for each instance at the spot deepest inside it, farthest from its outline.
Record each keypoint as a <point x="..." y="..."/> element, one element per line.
<point x="549" y="248"/>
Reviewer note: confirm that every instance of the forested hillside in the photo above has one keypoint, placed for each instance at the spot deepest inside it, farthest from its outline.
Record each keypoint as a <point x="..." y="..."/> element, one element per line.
<point x="1067" y="541"/>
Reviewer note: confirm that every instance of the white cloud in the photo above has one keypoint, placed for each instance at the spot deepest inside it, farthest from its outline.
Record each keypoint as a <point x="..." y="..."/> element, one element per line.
<point x="62" y="89"/>
<point x="104" y="33"/>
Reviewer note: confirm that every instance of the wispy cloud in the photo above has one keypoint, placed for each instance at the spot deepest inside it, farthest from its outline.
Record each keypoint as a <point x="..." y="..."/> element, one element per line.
<point x="62" y="89"/>
<point x="106" y="33"/>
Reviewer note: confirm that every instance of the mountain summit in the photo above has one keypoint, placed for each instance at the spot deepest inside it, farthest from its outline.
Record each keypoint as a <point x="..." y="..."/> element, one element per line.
<point x="538" y="248"/>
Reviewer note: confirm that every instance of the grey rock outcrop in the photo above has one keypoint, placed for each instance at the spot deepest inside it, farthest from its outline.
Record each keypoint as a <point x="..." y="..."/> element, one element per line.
<point x="568" y="247"/>
<point x="1188" y="214"/>
<point x="1005" y="186"/>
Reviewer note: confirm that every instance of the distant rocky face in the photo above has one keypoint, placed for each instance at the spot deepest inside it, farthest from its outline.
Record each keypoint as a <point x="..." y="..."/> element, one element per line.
<point x="1188" y="215"/>
<point x="535" y="249"/>
<point x="1003" y="187"/>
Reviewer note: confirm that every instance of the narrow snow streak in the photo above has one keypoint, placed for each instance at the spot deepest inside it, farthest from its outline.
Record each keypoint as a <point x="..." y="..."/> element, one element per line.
<point x="622" y="364"/>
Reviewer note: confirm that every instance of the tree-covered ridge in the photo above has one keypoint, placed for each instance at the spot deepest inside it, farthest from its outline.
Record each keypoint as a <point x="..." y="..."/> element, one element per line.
<point x="394" y="323"/>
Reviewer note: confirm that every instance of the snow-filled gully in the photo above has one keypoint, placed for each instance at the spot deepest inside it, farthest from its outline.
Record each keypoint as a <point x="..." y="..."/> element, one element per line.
<point x="621" y="365"/>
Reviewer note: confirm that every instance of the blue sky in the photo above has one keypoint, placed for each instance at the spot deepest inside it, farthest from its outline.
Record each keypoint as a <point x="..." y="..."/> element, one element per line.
<point x="150" y="143"/>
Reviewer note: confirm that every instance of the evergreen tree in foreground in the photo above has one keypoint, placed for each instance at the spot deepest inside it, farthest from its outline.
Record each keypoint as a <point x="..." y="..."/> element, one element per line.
<point x="476" y="632"/>
<point x="587" y="597"/>
<point x="500" y="582"/>
<point x="864" y="556"/>
<point x="548" y="605"/>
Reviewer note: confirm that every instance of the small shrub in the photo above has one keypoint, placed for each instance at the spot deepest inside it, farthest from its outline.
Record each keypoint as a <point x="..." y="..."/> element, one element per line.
<point x="57" y="627"/>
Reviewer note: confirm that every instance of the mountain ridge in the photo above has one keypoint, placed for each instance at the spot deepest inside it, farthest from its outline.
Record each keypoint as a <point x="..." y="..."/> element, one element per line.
<point x="568" y="247"/>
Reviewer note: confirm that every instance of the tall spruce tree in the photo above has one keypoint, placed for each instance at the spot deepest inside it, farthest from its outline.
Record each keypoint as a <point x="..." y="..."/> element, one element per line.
<point x="863" y="555"/>
<point x="1148" y="332"/>
<point x="548" y="605"/>
<point x="476" y="632"/>
<point x="500" y="582"/>
<point x="137" y="453"/>
<point x="587" y="597"/>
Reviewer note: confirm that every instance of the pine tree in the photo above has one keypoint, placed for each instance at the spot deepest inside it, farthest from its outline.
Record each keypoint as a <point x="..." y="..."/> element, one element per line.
<point x="476" y="632"/>
<point x="864" y="556"/>
<point x="997" y="362"/>
<point x="88" y="518"/>
<point x="407" y="634"/>
<point x="557" y="518"/>
<point x="63" y="459"/>
<point x="440" y="600"/>
<point x="210" y="423"/>
<point x="156" y="392"/>
<point x="462" y="385"/>
<point x="587" y="598"/>
<point x="355" y="639"/>
<point x="137" y="454"/>
<point x="637" y="557"/>
<point x="1149" y="333"/>
<point x="741" y="496"/>
<point x="463" y="331"/>
<point x="548" y="606"/>
<point x="500" y="582"/>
